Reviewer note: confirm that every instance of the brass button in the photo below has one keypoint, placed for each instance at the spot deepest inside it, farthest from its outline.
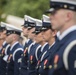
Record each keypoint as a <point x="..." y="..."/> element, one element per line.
<point x="28" y="68"/>
<point x="39" y="66"/>
<point x="50" y="66"/>
<point x="19" y="68"/>
<point x="44" y="67"/>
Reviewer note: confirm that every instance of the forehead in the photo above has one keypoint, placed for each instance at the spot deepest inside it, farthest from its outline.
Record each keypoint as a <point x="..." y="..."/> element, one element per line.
<point x="11" y="35"/>
<point x="32" y="29"/>
<point x="24" y="27"/>
<point x="39" y="34"/>
<point x="58" y="11"/>
<point x="3" y="31"/>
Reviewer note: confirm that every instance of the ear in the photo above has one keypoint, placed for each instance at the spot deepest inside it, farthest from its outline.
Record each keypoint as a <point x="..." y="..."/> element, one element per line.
<point x="54" y="33"/>
<point x="14" y="37"/>
<point x="69" y="16"/>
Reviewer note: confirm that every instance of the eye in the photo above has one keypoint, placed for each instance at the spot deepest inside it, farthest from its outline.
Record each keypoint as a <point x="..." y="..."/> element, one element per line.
<point x="36" y="33"/>
<point x="54" y="12"/>
<point x="29" y="28"/>
<point x="45" y="30"/>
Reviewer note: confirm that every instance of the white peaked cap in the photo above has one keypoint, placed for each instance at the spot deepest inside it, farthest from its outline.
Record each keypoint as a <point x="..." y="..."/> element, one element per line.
<point x="38" y="22"/>
<point x="66" y="1"/>
<point x="10" y="27"/>
<point x="2" y="24"/>
<point x="29" y="19"/>
<point x="46" y="18"/>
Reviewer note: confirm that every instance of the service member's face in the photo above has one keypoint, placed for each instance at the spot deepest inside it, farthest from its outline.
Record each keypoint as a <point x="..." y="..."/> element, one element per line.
<point x="38" y="38"/>
<point x="58" y="19"/>
<point x="30" y="34"/>
<point x="9" y="39"/>
<point x="25" y="31"/>
<point x="3" y="35"/>
<point x="47" y="35"/>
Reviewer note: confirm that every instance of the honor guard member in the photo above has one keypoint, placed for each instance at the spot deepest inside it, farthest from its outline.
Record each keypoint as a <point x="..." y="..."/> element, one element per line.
<point x="28" y="28"/>
<point x="63" y="19"/>
<point x="4" y="49"/>
<point x="49" y="36"/>
<point x="14" y="58"/>
<point x="26" y="31"/>
<point x="44" y="45"/>
<point x="34" y="48"/>
<point x="39" y="38"/>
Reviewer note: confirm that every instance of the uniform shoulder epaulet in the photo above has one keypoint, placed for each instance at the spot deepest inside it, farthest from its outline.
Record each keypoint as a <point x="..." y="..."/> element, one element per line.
<point x="19" y="49"/>
<point x="6" y="49"/>
<point x="66" y="53"/>
<point x="29" y="47"/>
<point x="36" y="52"/>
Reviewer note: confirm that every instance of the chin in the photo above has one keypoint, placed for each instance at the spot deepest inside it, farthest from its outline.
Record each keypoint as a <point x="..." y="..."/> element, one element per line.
<point x="37" y="42"/>
<point x="7" y="41"/>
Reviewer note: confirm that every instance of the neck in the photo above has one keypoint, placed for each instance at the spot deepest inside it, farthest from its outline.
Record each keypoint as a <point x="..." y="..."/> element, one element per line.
<point x="13" y="43"/>
<point x="42" y="43"/>
<point x="51" y="41"/>
<point x="66" y="26"/>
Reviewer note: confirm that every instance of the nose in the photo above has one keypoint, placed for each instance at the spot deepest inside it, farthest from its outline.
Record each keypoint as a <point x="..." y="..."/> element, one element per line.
<point x="51" y="17"/>
<point x="42" y="33"/>
<point x="22" y="28"/>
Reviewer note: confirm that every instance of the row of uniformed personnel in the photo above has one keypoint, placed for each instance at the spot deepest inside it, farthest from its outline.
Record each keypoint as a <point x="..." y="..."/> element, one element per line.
<point x="46" y="51"/>
<point x="17" y="60"/>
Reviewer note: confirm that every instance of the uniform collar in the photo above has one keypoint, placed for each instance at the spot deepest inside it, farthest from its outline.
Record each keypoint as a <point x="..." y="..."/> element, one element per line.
<point x="51" y="45"/>
<point x="13" y="45"/>
<point x="28" y="40"/>
<point x="4" y="43"/>
<point x="66" y="32"/>
<point x="34" y="42"/>
<point x="43" y="46"/>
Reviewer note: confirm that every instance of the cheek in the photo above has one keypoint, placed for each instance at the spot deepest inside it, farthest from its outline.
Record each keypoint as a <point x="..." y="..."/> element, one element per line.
<point x="38" y="38"/>
<point x="3" y="36"/>
<point x="33" y="35"/>
<point x="29" y="33"/>
<point x="9" y="37"/>
<point x="45" y="35"/>
<point x="41" y="38"/>
<point x="24" y="31"/>
<point x="61" y="16"/>
<point x="58" y="20"/>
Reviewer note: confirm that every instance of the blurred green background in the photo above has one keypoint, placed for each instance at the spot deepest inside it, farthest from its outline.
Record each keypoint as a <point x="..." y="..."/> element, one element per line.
<point x="33" y="8"/>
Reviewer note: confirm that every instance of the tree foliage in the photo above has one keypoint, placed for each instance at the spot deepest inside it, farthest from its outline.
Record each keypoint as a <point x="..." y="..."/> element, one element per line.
<point x="34" y="8"/>
<point x="2" y="5"/>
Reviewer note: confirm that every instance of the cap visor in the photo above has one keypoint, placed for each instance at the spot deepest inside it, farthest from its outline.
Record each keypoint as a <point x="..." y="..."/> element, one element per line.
<point x="50" y="10"/>
<point x="33" y="32"/>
